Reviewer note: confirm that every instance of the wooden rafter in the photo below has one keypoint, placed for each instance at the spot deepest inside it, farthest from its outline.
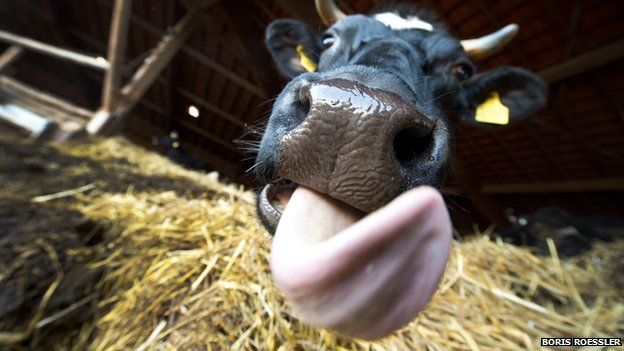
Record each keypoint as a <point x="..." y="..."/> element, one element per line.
<point x="107" y="121"/>
<point x="9" y="56"/>
<point x="59" y="104"/>
<point x="198" y="56"/>
<point x="63" y="54"/>
<point x="64" y="118"/>
<point x="116" y="53"/>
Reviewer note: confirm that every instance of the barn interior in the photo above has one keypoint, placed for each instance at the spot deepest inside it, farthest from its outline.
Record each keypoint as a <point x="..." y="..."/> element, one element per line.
<point x="217" y="86"/>
<point x="195" y="74"/>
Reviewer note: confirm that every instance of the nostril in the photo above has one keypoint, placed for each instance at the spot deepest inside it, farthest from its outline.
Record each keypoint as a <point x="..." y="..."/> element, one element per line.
<point x="410" y="145"/>
<point x="302" y="104"/>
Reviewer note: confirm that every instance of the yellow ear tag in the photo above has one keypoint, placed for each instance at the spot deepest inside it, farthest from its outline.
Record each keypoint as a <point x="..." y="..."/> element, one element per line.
<point x="306" y="62"/>
<point x="493" y="111"/>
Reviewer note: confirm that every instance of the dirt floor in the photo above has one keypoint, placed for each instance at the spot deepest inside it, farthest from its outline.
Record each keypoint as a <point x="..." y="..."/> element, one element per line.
<point x="106" y="246"/>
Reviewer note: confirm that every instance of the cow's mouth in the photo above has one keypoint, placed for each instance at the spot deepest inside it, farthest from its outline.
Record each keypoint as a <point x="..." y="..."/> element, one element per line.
<point x="362" y="275"/>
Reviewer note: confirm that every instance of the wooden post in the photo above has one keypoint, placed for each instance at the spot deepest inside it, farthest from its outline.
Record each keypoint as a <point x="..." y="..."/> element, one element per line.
<point x="158" y="60"/>
<point x="9" y="56"/>
<point x="105" y="122"/>
<point x="63" y="54"/>
<point x="198" y="55"/>
<point x="116" y="52"/>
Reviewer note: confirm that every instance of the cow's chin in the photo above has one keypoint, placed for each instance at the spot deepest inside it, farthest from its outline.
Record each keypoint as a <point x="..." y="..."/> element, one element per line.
<point x="360" y="275"/>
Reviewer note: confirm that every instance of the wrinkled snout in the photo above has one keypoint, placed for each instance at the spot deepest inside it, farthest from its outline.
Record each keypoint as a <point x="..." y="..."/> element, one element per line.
<point x="360" y="145"/>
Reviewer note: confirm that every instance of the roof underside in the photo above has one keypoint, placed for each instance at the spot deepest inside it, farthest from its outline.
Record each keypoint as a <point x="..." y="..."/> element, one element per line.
<point x="571" y="155"/>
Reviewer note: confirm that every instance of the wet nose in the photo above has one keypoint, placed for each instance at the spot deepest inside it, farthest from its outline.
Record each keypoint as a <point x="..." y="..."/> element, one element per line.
<point x="354" y="143"/>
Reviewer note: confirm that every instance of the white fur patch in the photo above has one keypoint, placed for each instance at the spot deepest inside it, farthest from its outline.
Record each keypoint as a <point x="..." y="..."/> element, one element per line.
<point x="397" y="22"/>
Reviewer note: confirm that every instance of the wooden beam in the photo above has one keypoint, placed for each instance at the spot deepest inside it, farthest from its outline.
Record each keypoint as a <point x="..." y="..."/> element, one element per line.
<point x="158" y="59"/>
<point x="484" y="203"/>
<point x="584" y="62"/>
<point x="67" y="55"/>
<point x="571" y="186"/>
<point x="30" y="108"/>
<point x="199" y="56"/>
<point x="36" y="125"/>
<point x="17" y="88"/>
<point x="106" y="122"/>
<point x="9" y="56"/>
<point x="117" y="39"/>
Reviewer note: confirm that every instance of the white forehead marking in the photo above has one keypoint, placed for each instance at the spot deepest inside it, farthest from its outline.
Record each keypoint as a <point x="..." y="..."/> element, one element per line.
<point x="397" y="22"/>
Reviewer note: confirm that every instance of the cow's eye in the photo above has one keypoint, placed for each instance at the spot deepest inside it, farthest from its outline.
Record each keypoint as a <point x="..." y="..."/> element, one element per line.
<point x="462" y="71"/>
<point x="328" y="41"/>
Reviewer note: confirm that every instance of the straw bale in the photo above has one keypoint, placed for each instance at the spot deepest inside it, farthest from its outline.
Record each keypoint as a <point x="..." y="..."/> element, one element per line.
<point x="174" y="259"/>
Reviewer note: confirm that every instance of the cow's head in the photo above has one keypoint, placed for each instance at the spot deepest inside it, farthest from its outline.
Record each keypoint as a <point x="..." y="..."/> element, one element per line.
<point x="364" y="120"/>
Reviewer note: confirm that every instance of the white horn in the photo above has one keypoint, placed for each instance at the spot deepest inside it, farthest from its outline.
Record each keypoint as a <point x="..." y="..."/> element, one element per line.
<point x="488" y="45"/>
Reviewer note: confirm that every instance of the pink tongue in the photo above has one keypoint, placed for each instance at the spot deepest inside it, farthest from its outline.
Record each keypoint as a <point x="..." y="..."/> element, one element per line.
<point x="362" y="278"/>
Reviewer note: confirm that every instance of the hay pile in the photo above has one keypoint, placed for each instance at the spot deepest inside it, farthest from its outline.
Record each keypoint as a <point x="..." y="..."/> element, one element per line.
<point x="160" y="258"/>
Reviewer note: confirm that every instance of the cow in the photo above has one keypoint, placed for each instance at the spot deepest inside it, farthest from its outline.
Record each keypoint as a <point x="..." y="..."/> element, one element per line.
<point x="355" y="148"/>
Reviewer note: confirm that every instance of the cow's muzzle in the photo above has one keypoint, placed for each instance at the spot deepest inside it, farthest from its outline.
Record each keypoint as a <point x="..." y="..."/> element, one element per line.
<point x="357" y="144"/>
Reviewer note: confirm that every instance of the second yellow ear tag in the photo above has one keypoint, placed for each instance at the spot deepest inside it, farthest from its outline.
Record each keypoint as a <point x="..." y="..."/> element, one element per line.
<point x="493" y="111"/>
<point x="306" y="62"/>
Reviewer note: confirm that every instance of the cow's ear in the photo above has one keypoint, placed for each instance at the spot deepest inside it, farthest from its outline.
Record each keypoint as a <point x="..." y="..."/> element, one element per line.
<point x="501" y="96"/>
<point x="293" y="46"/>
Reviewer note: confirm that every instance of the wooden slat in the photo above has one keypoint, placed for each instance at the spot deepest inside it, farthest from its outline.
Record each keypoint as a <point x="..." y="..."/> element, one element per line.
<point x="9" y="56"/>
<point x="64" y="119"/>
<point x="63" y="54"/>
<point x="106" y="122"/>
<point x="14" y="86"/>
<point x="117" y="40"/>
<point x="199" y="56"/>
<point x="158" y="59"/>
